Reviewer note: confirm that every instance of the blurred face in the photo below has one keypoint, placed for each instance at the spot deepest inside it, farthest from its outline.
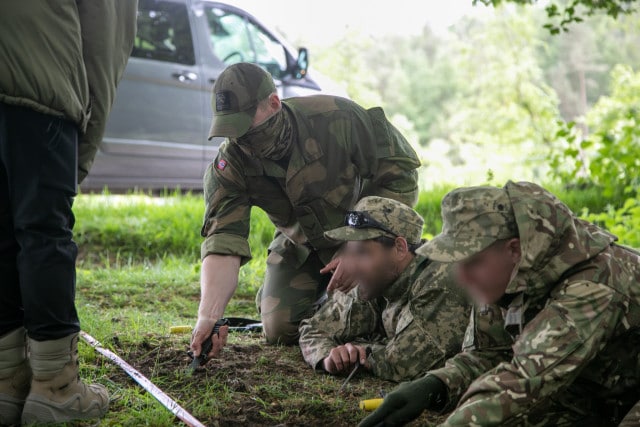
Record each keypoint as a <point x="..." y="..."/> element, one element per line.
<point x="487" y="274"/>
<point x="377" y="266"/>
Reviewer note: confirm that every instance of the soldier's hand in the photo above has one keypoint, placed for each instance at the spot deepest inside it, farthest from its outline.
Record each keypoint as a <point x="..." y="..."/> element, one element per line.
<point x="202" y="330"/>
<point x="343" y="358"/>
<point x="407" y="401"/>
<point x="343" y="278"/>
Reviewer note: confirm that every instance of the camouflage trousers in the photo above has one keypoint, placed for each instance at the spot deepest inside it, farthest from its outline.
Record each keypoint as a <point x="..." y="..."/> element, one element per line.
<point x="292" y="286"/>
<point x="579" y="408"/>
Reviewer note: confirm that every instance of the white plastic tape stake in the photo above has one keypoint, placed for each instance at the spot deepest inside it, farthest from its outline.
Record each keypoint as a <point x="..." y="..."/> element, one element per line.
<point x="160" y="395"/>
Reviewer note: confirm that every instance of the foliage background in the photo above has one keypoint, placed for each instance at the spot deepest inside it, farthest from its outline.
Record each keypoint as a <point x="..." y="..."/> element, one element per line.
<point x="500" y="96"/>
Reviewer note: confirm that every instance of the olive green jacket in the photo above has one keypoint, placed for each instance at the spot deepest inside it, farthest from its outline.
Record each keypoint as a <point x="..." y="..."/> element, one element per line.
<point x="64" y="58"/>
<point x="341" y="153"/>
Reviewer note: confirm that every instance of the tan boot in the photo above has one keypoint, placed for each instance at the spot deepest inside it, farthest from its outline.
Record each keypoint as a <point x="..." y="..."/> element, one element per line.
<point x="15" y="376"/>
<point x="57" y="394"/>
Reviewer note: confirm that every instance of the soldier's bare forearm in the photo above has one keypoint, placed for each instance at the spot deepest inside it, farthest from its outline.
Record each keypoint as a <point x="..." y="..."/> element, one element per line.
<point x="218" y="283"/>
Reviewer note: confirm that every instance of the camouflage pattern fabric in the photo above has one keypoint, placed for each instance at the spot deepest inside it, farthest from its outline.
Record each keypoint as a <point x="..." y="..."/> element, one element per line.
<point x="340" y="153"/>
<point x="472" y="219"/>
<point x="415" y="326"/>
<point x="562" y="347"/>
<point x="390" y="218"/>
<point x="288" y="294"/>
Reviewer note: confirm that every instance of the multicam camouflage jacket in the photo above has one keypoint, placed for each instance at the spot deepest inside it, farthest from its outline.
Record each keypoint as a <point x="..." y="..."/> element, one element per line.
<point x="563" y="345"/>
<point x="341" y="153"/>
<point x="415" y="326"/>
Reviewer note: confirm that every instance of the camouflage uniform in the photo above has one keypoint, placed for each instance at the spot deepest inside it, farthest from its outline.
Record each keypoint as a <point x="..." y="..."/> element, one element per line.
<point x="562" y="346"/>
<point x="339" y="153"/>
<point x="421" y="313"/>
<point x="417" y="324"/>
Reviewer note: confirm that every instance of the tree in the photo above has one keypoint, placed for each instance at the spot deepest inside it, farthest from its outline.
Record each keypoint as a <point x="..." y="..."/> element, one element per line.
<point x="561" y="15"/>
<point x="345" y="62"/>
<point x="505" y="115"/>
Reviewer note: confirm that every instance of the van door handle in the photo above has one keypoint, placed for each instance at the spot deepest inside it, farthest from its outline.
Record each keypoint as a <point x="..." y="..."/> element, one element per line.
<point x="185" y="76"/>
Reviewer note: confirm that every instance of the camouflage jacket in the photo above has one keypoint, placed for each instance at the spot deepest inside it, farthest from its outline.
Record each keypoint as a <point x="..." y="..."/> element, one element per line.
<point x="566" y="334"/>
<point x="341" y="153"/>
<point x="415" y="326"/>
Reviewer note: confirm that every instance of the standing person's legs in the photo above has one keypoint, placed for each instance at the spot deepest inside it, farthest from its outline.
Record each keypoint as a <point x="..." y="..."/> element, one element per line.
<point x="41" y="170"/>
<point x="288" y="294"/>
<point x="40" y="160"/>
<point x="11" y="313"/>
<point x="15" y="374"/>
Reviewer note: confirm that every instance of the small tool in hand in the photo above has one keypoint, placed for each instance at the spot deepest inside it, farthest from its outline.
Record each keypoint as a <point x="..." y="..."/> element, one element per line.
<point x="353" y="372"/>
<point x="206" y="346"/>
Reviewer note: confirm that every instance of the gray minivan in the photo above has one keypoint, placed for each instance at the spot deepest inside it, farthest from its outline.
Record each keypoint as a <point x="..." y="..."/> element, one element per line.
<point x="156" y="135"/>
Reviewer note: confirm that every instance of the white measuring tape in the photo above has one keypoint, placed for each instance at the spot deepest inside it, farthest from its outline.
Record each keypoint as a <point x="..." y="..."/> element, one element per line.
<point x="160" y="395"/>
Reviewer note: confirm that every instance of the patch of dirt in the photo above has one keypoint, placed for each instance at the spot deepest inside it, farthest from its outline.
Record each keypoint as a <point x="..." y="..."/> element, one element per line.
<point x="251" y="384"/>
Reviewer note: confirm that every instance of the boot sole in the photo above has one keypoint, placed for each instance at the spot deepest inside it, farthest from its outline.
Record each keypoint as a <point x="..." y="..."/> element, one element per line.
<point x="42" y="410"/>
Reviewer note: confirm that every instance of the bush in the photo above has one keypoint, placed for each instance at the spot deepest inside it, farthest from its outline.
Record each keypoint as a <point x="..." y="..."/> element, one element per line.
<point x="137" y="227"/>
<point x="428" y="207"/>
<point x="624" y="222"/>
<point x="609" y="158"/>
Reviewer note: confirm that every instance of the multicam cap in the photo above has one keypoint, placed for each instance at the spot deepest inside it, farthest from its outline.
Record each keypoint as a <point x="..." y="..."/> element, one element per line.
<point x="473" y="218"/>
<point x="236" y="94"/>
<point x="378" y="216"/>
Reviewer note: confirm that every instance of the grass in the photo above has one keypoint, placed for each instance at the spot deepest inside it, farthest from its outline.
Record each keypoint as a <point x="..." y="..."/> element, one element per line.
<point x="138" y="274"/>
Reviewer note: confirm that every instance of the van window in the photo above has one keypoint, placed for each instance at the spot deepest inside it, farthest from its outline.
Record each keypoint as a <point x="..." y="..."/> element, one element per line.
<point x="236" y="39"/>
<point x="268" y="52"/>
<point x="164" y="33"/>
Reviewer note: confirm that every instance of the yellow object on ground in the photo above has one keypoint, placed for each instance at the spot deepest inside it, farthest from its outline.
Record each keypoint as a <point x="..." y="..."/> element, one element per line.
<point x="181" y="329"/>
<point x="370" y="404"/>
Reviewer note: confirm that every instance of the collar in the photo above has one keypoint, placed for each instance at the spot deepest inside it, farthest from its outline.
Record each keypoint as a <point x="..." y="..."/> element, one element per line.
<point x="514" y="314"/>
<point x="306" y="149"/>
<point x="402" y="284"/>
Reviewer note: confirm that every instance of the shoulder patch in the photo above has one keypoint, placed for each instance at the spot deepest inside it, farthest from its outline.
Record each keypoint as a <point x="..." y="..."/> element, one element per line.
<point x="221" y="164"/>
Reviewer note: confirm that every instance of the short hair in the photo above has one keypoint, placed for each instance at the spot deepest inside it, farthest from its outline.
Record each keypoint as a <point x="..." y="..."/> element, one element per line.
<point x="389" y="242"/>
<point x="262" y="104"/>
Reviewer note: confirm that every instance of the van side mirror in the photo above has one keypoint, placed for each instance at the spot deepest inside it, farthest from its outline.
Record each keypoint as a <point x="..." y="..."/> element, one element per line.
<point x="302" y="64"/>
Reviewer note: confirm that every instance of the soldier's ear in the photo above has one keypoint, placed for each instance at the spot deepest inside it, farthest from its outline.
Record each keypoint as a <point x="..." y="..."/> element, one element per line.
<point x="402" y="246"/>
<point x="274" y="102"/>
<point x="514" y="249"/>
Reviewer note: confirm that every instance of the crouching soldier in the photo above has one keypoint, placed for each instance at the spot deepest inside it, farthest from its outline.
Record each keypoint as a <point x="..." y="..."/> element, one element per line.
<point x="305" y="162"/>
<point x="405" y="309"/>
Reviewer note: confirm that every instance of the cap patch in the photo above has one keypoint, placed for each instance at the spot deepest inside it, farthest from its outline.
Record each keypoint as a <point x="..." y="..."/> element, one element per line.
<point x="223" y="100"/>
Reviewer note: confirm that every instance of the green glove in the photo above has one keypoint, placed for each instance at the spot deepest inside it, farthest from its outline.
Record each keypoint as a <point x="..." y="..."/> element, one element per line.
<point x="407" y="402"/>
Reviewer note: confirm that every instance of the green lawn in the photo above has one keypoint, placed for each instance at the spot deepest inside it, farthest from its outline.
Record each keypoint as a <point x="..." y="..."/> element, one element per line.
<point x="138" y="273"/>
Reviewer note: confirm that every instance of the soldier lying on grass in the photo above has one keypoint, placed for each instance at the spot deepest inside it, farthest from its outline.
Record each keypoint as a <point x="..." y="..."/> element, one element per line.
<point x="554" y="339"/>
<point x="405" y="309"/>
